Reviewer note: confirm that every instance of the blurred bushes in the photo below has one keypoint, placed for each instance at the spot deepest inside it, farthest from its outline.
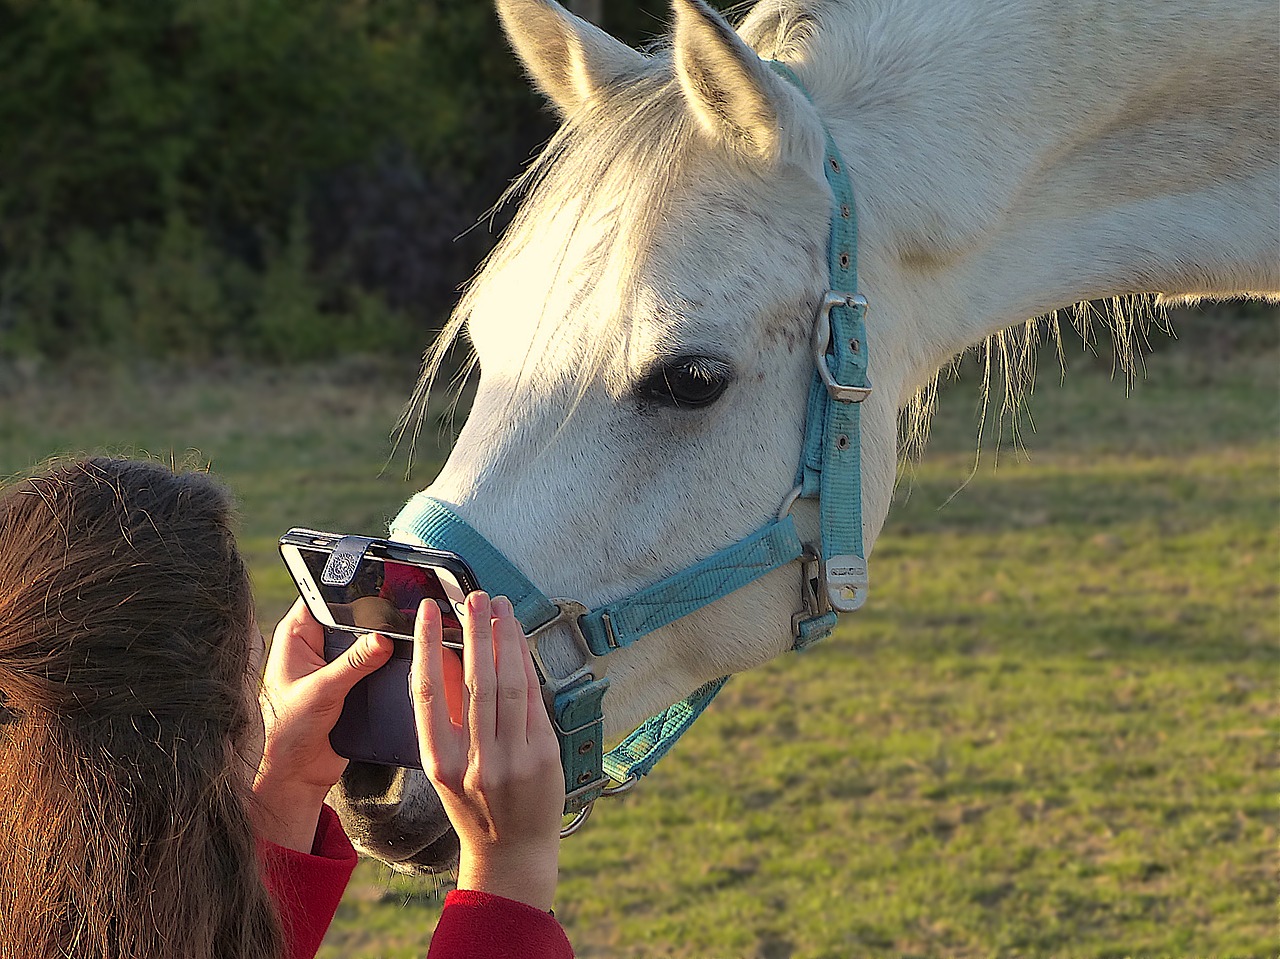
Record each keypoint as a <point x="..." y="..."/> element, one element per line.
<point x="283" y="179"/>
<point x="278" y="179"/>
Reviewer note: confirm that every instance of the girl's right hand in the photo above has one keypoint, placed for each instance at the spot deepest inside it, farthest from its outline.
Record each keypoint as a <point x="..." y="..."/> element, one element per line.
<point x="497" y="771"/>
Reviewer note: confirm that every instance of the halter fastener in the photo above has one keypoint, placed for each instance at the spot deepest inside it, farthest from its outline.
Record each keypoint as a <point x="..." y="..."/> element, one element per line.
<point x="840" y="392"/>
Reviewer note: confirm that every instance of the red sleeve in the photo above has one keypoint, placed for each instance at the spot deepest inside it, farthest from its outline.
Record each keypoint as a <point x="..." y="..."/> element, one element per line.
<point x="307" y="888"/>
<point x="476" y="925"/>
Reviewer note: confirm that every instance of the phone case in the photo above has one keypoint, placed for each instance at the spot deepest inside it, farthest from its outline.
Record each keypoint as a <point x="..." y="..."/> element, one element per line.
<point x="376" y="725"/>
<point x="411" y="554"/>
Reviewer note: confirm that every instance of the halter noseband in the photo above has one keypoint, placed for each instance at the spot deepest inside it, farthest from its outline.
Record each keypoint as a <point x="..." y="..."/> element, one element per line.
<point x="833" y="573"/>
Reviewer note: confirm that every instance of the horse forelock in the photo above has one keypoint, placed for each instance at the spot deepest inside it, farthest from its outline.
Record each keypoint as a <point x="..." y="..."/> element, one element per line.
<point x="593" y="205"/>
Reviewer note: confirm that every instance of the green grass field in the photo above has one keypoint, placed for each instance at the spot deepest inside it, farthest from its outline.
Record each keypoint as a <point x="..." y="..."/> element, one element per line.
<point x="1052" y="732"/>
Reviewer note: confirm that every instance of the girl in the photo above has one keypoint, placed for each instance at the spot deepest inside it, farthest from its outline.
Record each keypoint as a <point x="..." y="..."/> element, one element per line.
<point x="149" y="807"/>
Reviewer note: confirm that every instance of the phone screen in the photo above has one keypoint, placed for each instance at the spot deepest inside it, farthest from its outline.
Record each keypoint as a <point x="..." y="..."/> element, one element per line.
<point x="383" y="596"/>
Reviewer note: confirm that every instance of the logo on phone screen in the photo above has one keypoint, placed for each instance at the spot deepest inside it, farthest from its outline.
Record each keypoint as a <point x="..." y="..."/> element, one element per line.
<point x="341" y="569"/>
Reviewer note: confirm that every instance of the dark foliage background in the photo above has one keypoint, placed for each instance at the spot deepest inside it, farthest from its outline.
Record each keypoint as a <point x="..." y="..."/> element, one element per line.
<point x="278" y="179"/>
<point x="266" y="179"/>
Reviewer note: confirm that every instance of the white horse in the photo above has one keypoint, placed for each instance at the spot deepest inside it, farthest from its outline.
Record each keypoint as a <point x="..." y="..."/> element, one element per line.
<point x="642" y="328"/>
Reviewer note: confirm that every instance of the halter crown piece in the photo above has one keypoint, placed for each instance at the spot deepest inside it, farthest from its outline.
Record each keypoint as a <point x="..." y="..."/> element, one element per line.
<point x="833" y="572"/>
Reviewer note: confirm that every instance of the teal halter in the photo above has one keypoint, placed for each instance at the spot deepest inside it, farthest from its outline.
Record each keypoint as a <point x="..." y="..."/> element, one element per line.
<point x="834" y="574"/>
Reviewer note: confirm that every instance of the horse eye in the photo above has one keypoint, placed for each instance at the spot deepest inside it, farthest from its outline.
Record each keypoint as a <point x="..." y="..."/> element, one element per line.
<point x="685" y="382"/>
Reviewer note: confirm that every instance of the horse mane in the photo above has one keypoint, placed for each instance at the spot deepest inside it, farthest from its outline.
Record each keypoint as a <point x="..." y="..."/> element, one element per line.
<point x="610" y="171"/>
<point x="1008" y="360"/>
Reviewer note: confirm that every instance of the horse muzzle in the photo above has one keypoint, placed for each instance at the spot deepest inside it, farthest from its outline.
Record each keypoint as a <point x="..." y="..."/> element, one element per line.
<point x="393" y="814"/>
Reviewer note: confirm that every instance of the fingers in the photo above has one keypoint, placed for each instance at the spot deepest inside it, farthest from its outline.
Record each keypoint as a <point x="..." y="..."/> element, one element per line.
<point x="537" y="720"/>
<point x="512" y="712"/>
<point x="478" y="669"/>
<point x="299" y="624"/>
<point x="500" y="679"/>
<point x="297" y="647"/>
<point x="502" y="711"/>
<point x="438" y="738"/>
<point x="367" y="654"/>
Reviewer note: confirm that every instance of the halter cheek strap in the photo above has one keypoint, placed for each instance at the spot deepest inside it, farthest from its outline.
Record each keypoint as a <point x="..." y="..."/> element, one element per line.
<point x="831" y="464"/>
<point x="575" y="700"/>
<point x="833" y="573"/>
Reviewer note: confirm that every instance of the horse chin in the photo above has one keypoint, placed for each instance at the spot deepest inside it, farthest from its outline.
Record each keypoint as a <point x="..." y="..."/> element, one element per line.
<point x="393" y="815"/>
<point x="435" y="859"/>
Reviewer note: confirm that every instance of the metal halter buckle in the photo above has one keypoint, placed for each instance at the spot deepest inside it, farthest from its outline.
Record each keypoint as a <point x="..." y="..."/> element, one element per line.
<point x="815" y="600"/>
<point x="839" y="392"/>
<point x="570" y="616"/>
<point x="811" y="574"/>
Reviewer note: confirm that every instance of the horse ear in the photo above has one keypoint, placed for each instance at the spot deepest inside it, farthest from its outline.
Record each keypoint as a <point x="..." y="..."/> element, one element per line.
<point x="568" y="58"/>
<point x="732" y="92"/>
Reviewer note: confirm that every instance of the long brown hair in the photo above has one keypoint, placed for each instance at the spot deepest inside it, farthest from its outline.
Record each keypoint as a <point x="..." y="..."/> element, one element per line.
<point x="125" y="650"/>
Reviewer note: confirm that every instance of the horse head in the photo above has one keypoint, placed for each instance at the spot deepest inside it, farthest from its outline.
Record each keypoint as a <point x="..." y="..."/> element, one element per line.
<point x="643" y="328"/>
<point x="643" y="334"/>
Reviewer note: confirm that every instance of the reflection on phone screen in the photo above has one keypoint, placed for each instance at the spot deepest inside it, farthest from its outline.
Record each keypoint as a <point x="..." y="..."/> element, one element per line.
<point x="384" y="595"/>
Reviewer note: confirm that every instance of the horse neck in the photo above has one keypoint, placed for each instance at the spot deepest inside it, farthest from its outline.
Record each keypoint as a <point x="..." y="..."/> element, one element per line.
<point x="1013" y="158"/>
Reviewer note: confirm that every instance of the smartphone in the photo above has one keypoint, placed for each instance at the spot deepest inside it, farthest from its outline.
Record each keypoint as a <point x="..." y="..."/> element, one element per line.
<point x="360" y="584"/>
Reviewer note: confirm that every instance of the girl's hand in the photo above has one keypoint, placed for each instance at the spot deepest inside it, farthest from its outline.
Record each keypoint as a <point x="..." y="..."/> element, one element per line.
<point x="301" y="701"/>
<point x="497" y="771"/>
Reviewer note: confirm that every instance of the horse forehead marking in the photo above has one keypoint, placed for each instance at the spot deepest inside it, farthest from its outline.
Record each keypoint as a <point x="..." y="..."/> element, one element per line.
<point x="790" y="329"/>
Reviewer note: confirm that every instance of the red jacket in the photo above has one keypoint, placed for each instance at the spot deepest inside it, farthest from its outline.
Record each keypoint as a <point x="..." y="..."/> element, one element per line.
<point x="474" y="925"/>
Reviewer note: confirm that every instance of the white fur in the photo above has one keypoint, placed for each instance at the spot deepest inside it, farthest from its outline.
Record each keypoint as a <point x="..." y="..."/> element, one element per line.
<point x="1009" y="158"/>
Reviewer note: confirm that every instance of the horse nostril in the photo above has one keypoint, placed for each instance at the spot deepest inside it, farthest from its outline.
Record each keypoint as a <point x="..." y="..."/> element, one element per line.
<point x="368" y="780"/>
